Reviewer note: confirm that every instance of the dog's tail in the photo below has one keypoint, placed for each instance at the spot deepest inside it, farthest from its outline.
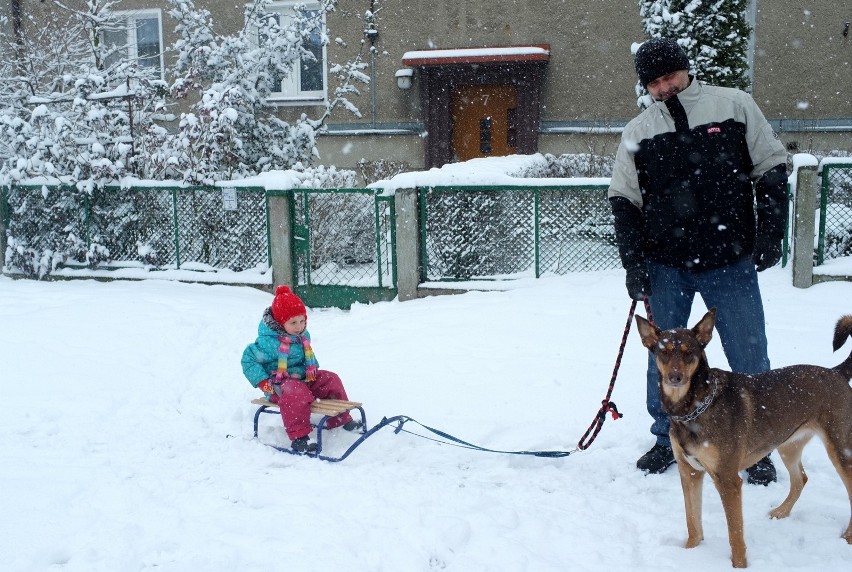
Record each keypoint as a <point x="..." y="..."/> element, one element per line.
<point x="843" y="330"/>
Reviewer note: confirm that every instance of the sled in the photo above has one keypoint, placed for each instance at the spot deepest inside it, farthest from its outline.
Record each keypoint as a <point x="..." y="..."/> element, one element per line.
<point x="326" y="408"/>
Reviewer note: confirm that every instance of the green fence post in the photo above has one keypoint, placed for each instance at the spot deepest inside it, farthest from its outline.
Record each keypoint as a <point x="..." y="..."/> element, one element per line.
<point x="87" y="218"/>
<point x="393" y="250"/>
<point x="785" y="241"/>
<point x="424" y="254"/>
<point x="378" y="234"/>
<point x="536" y="235"/>
<point x="4" y="222"/>
<point x="176" y="227"/>
<point x="823" y="211"/>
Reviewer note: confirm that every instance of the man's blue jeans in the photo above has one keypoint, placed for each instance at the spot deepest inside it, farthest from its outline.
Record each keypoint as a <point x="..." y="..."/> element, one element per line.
<point x="735" y="293"/>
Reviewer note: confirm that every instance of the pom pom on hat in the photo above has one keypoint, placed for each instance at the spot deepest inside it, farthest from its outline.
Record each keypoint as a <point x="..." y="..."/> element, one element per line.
<point x="658" y="57"/>
<point x="286" y="304"/>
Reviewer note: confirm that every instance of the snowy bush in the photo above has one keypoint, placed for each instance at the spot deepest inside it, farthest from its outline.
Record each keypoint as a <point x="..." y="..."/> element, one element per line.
<point x="838" y="236"/>
<point x="381" y="169"/>
<point x="838" y="219"/>
<point x="45" y="226"/>
<point x="322" y="177"/>
<point x="574" y="165"/>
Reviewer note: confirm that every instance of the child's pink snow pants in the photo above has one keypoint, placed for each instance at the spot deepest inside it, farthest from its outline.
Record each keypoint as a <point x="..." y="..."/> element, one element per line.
<point x="296" y="397"/>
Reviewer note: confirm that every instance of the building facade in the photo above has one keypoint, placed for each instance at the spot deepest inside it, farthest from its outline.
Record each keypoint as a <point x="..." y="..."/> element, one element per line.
<point x="456" y="79"/>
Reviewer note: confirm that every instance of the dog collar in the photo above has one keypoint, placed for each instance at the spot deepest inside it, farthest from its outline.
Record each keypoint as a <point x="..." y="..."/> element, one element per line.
<point x="702" y="407"/>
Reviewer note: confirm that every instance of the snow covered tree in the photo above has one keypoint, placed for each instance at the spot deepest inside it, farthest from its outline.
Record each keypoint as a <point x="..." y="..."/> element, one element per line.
<point x="714" y="34"/>
<point x="233" y="131"/>
<point x="74" y="108"/>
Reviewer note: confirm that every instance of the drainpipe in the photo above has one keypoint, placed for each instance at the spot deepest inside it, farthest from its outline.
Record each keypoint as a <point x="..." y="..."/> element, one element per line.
<point x="751" y="15"/>
<point x="17" y="30"/>
<point x="372" y="34"/>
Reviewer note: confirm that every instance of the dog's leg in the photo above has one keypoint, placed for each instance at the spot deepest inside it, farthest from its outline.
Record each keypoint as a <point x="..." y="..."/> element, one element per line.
<point x="730" y="487"/>
<point x="838" y="444"/>
<point x="791" y="454"/>
<point x="691" y="481"/>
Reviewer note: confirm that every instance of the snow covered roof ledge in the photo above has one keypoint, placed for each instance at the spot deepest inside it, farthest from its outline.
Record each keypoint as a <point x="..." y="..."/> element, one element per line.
<point x="529" y="53"/>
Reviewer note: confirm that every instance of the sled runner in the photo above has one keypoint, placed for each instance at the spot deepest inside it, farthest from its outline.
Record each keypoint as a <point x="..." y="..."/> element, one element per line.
<point x="327" y="408"/>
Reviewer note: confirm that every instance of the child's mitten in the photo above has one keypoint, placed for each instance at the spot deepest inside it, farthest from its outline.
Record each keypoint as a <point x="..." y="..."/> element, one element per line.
<point x="266" y="387"/>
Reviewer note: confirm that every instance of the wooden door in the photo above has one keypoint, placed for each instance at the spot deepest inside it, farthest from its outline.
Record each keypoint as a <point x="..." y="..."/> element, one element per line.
<point x="484" y="121"/>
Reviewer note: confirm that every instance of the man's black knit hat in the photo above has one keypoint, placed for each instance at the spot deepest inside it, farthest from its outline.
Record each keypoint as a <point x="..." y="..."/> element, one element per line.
<point x="658" y="57"/>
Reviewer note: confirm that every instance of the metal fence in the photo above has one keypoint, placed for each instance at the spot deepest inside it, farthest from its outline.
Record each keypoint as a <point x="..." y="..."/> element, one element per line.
<point x="344" y="245"/>
<point x="343" y="241"/>
<point x="161" y="227"/>
<point x="835" y="212"/>
<point x="513" y="231"/>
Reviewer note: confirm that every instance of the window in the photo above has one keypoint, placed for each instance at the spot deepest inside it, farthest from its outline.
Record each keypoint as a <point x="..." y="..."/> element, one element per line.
<point x="307" y="80"/>
<point x="135" y="36"/>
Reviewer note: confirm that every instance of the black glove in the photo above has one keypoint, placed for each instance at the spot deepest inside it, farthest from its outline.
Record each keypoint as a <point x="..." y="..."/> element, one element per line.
<point x="638" y="282"/>
<point x="767" y="252"/>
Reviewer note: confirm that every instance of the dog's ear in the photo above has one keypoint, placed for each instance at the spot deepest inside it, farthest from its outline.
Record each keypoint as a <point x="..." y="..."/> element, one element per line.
<point x="649" y="333"/>
<point x="703" y="330"/>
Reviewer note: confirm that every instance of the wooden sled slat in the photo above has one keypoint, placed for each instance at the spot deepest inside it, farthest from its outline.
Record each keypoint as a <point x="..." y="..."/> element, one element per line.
<point x="328" y="407"/>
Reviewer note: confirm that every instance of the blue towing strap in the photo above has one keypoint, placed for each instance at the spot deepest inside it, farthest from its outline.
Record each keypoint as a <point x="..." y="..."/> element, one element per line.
<point x="459" y="443"/>
<point x="402" y="420"/>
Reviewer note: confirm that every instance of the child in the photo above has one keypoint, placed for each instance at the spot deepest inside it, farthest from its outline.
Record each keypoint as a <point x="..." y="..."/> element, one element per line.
<point x="282" y="364"/>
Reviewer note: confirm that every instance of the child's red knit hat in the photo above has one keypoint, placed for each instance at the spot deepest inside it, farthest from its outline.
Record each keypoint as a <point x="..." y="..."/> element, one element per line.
<point x="286" y="305"/>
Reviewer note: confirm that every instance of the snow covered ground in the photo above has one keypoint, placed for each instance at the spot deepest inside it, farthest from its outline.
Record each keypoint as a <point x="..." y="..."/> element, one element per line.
<point x="126" y="440"/>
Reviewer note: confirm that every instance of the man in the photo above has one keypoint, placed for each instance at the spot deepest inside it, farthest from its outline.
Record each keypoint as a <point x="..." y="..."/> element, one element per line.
<point x="688" y="174"/>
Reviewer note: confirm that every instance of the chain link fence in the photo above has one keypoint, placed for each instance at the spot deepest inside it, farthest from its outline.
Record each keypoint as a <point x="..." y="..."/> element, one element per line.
<point x="343" y="237"/>
<point x="155" y="227"/>
<point x="510" y="232"/>
<point x="835" y="222"/>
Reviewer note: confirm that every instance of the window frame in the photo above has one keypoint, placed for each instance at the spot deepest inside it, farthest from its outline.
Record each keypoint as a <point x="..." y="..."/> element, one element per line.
<point x="295" y="96"/>
<point x="129" y="19"/>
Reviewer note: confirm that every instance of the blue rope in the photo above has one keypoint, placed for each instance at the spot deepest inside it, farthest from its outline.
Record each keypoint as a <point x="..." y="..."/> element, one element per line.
<point x="402" y="420"/>
<point x="467" y="445"/>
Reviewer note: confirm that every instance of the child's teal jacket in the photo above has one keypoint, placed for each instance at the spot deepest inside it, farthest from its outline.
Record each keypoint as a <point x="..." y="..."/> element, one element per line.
<point x="260" y="359"/>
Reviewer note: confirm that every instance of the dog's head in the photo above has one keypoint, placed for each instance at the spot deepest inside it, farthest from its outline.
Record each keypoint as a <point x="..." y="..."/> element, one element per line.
<point x="679" y="353"/>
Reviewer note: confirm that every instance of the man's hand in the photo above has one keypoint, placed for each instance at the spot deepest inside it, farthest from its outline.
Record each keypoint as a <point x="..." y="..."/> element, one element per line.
<point x="638" y="282"/>
<point x="767" y="252"/>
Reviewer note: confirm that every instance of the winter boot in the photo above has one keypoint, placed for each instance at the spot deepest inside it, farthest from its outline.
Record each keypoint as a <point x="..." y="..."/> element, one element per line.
<point x="352" y="425"/>
<point x="762" y="472"/>
<point x="304" y="445"/>
<point x="657" y="460"/>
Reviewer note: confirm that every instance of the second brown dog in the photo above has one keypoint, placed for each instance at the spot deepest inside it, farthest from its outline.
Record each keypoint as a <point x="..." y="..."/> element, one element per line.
<point x="723" y="422"/>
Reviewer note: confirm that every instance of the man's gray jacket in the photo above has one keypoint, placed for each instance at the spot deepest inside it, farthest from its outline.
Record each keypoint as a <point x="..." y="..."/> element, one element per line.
<point x="693" y="188"/>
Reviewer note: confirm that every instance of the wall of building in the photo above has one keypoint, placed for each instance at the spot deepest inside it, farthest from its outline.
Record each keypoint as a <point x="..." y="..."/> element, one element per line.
<point x="802" y="62"/>
<point x="802" y="67"/>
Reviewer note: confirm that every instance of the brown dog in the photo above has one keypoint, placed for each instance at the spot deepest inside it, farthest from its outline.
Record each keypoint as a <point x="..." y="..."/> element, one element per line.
<point x="723" y="422"/>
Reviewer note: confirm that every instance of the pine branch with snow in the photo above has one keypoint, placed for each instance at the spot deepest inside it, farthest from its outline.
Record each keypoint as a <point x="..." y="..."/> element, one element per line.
<point x="714" y="33"/>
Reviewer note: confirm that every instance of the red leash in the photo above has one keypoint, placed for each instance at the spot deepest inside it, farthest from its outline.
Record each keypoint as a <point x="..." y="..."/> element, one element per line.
<point x="608" y="406"/>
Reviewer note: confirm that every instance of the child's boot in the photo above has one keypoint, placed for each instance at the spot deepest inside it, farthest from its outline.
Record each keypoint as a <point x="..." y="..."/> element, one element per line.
<point x="304" y="445"/>
<point x="352" y="425"/>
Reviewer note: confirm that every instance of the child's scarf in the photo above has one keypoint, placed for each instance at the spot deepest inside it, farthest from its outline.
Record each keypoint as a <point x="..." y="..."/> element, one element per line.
<point x="284" y="353"/>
